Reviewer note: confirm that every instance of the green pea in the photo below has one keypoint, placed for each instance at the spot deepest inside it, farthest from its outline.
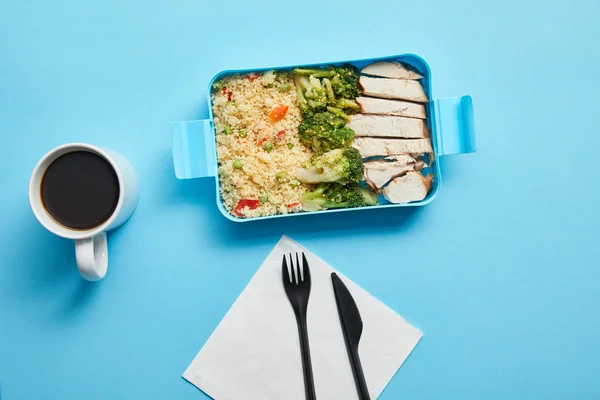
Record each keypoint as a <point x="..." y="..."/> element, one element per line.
<point x="294" y="183"/>
<point x="218" y="85"/>
<point x="264" y="198"/>
<point x="230" y="103"/>
<point x="281" y="175"/>
<point x="290" y="146"/>
<point x="237" y="164"/>
<point x="242" y="133"/>
<point x="227" y="130"/>
<point x="268" y="147"/>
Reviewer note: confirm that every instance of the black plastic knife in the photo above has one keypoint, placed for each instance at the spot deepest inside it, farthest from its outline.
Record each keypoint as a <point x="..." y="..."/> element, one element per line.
<point x="352" y="327"/>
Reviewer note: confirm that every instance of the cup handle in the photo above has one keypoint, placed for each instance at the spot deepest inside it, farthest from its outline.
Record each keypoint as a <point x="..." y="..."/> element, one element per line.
<point x="92" y="257"/>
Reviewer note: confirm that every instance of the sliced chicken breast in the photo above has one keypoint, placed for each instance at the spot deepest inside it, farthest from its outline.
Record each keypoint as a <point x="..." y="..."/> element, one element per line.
<point x="402" y="89"/>
<point x="388" y="126"/>
<point x="373" y="105"/>
<point x="410" y="187"/>
<point x="373" y="147"/>
<point x="378" y="173"/>
<point x="390" y="69"/>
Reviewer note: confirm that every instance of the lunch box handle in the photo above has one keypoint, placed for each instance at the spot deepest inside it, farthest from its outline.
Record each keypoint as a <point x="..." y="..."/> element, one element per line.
<point x="455" y="125"/>
<point x="193" y="149"/>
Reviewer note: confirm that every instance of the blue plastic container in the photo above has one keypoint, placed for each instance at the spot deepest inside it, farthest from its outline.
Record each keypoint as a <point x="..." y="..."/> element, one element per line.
<point x="450" y="122"/>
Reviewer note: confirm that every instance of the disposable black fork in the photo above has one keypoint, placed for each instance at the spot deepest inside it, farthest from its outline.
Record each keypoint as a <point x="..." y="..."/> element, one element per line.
<point x="297" y="288"/>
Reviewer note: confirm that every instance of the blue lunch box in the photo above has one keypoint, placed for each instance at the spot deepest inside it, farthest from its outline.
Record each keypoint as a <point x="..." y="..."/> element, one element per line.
<point x="450" y="121"/>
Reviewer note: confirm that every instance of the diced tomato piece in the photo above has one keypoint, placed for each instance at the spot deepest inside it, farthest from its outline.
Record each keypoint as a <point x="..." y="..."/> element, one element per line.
<point x="227" y="93"/>
<point x="278" y="112"/>
<point x="253" y="77"/>
<point x="250" y="203"/>
<point x="243" y="203"/>
<point x="280" y="135"/>
<point x="293" y="205"/>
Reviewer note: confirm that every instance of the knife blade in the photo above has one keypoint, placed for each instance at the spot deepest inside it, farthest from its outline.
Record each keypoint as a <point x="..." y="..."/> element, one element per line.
<point x="352" y="327"/>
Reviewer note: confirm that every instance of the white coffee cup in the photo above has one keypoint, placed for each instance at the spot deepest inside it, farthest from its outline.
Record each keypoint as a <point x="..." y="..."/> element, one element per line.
<point x="91" y="250"/>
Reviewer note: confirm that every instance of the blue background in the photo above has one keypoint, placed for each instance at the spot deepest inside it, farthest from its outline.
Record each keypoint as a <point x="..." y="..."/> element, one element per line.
<point x="500" y="272"/>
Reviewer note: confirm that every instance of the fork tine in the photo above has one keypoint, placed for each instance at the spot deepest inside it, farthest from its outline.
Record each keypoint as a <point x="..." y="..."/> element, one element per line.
<point x="300" y="269"/>
<point x="294" y="268"/>
<point x="305" y="269"/>
<point x="285" y="272"/>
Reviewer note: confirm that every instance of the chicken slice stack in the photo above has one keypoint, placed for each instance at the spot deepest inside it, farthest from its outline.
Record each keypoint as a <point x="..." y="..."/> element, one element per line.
<point x="391" y="131"/>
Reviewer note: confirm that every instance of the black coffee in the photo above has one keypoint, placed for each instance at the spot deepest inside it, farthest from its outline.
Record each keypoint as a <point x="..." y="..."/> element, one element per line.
<point x="80" y="190"/>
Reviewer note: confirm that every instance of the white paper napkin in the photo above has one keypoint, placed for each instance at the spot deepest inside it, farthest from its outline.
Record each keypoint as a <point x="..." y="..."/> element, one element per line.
<point x="254" y="353"/>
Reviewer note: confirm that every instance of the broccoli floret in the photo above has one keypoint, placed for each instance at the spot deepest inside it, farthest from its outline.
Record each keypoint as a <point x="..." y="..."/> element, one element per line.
<point x="324" y="132"/>
<point x="349" y="195"/>
<point x="338" y="112"/>
<point x="344" y="80"/>
<point x="314" y="200"/>
<point x="306" y="110"/>
<point x="311" y="95"/>
<point x="328" y="120"/>
<point x="352" y="105"/>
<point x="299" y="90"/>
<point x="315" y="90"/>
<point x="316" y="72"/>
<point x="329" y="91"/>
<point x="337" y="196"/>
<point x="369" y="197"/>
<point x="339" y="165"/>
